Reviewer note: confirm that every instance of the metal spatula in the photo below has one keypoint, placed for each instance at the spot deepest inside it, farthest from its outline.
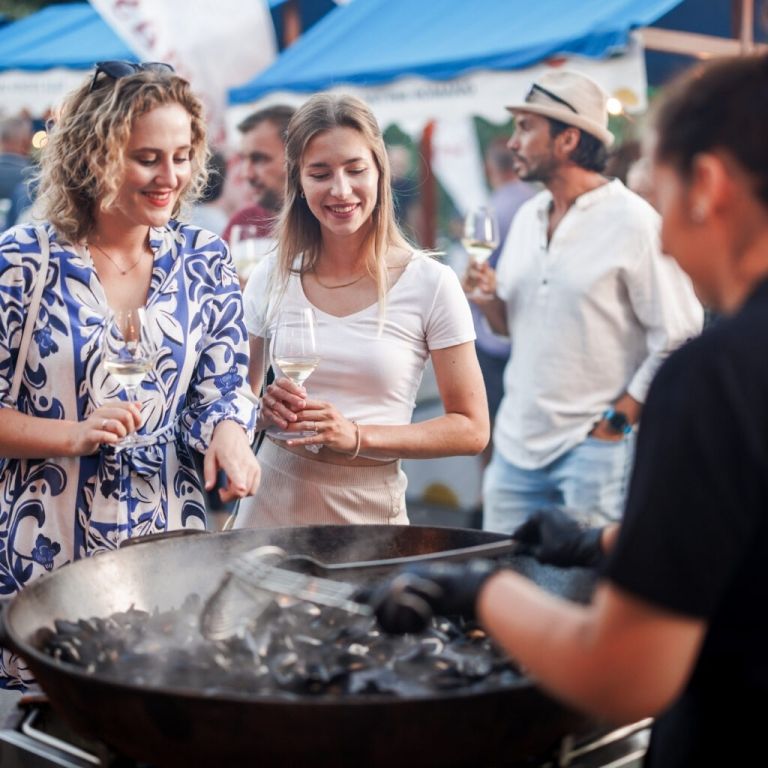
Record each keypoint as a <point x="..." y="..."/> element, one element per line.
<point x="245" y="589"/>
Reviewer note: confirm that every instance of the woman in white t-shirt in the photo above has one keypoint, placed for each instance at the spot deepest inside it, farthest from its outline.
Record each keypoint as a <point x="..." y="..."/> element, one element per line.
<point x="382" y="310"/>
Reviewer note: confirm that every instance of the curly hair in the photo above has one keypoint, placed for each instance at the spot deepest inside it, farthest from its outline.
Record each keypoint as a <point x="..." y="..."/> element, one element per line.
<point x="82" y="164"/>
<point x="298" y="229"/>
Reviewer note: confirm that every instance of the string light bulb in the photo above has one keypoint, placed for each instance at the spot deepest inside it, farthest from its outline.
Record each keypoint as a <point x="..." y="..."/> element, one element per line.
<point x="614" y="106"/>
<point x="39" y="139"/>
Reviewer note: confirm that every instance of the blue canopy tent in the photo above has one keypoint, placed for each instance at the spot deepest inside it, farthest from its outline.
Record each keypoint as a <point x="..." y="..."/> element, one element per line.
<point x="44" y="54"/>
<point x="68" y="35"/>
<point x="375" y="42"/>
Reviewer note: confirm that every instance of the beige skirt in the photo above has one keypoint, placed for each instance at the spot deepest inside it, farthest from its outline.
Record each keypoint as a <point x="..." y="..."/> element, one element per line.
<point x="300" y="491"/>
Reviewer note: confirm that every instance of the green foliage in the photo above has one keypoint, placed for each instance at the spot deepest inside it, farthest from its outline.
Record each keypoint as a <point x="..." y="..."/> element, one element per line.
<point x="17" y="9"/>
<point x="487" y="132"/>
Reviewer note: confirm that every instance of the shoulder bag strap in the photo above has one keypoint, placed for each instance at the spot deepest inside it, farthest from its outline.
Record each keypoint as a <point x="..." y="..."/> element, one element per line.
<point x="32" y="310"/>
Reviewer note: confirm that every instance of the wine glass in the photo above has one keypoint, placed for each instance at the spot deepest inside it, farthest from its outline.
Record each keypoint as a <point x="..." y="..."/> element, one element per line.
<point x="248" y="248"/>
<point x="295" y="350"/>
<point x="481" y="233"/>
<point x="128" y="354"/>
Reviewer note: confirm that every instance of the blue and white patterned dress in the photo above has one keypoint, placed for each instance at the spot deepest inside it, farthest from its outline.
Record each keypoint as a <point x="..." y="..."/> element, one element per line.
<point x="56" y="510"/>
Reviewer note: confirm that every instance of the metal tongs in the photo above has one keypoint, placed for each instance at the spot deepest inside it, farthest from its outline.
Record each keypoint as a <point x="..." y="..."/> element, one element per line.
<point x="249" y="581"/>
<point x="252" y="576"/>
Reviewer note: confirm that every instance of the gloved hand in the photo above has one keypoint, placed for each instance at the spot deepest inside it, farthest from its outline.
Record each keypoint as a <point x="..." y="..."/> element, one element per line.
<point x="407" y="601"/>
<point x="551" y="536"/>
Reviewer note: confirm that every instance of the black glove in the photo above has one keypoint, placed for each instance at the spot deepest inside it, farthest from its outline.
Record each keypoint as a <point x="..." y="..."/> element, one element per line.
<point x="407" y="601"/>
<point x="551" y="536"/>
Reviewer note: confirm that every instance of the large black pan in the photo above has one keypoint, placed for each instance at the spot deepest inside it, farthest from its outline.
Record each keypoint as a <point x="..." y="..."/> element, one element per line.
<point x="187" y="727"/>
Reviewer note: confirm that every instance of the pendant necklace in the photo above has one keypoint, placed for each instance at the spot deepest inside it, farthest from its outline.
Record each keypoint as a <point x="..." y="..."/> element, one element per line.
<point x="117" y="266"/>
<point x="341" y="285"/>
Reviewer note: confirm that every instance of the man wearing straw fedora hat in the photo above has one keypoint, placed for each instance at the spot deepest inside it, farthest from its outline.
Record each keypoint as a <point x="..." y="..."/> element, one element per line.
<point x="591" y="307"/>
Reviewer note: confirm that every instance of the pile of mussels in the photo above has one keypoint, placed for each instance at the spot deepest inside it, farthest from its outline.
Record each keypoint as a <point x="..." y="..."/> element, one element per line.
<point x="294" y="648"/>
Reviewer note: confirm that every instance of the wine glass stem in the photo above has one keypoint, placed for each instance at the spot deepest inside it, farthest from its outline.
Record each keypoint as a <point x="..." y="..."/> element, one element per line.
<point x="132" y="395"/>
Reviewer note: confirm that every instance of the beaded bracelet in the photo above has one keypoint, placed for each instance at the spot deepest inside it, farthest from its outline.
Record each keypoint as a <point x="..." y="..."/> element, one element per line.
<point x="357" y="441"/>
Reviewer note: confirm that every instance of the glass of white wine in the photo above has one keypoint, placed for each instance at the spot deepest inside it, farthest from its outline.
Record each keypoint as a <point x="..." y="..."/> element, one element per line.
<point x="295" y="351"/>
<point x="481" y="233"/>
<point x="248" y="248"/>
<point x="128" y="354"/>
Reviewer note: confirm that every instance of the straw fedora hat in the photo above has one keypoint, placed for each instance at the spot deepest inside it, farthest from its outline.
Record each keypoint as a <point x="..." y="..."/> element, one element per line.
<point x="572" y="98"/>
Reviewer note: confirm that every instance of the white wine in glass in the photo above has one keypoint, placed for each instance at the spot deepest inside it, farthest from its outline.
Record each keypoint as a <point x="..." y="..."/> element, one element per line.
<point x="129" y="373"/>
<point x="295" y="350"/>
<point x="128" y="354"/>
<point x="297" y="369"/>
<point x="481" y="234"/>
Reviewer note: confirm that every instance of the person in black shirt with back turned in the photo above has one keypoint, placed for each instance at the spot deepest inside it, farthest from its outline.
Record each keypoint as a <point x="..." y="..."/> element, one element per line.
<point x="678" y="625"/>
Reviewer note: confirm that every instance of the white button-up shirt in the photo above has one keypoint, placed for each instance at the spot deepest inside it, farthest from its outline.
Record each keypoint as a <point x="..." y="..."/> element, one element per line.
<point x="591" y="315"/>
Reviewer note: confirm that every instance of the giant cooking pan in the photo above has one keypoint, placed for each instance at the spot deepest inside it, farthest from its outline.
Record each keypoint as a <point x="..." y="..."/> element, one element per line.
<point x="187" y="727"/>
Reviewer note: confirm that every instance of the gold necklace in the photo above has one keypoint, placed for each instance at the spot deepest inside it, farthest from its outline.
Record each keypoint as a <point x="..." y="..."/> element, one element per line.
<point x="341" y="285"/>
<point x="117" y="266"/>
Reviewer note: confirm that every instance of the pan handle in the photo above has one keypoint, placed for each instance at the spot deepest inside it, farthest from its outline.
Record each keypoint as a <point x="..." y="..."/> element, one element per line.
<point x="150" y="537"/>
<point x="491" y="549"/>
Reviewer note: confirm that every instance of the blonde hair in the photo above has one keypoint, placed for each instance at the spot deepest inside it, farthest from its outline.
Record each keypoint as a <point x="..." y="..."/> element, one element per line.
<point x="82" y="164"/>
<point x="298" y="231"/>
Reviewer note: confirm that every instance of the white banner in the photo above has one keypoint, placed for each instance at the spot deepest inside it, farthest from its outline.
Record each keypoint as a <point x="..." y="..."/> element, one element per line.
<point x="457" y="162"/>
<point x="215" y="45"/>
<point x="36" y="92"/>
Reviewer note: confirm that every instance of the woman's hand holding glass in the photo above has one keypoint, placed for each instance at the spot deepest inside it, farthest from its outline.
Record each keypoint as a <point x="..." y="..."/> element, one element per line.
<point x="106" y="425"/>
<point x="281" y="403"/>
<point x="319" y="423"/>
<point x="307" y="422"/>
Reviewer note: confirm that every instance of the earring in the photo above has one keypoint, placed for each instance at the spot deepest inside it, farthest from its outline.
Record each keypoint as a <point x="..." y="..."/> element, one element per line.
<point x="301" y="194"/>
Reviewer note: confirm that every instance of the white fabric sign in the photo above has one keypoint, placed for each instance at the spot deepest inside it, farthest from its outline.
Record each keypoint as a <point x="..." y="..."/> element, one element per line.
<point x="36" y="92"/>
<point x="216" y="46"/>
<point x="457" y="162"/>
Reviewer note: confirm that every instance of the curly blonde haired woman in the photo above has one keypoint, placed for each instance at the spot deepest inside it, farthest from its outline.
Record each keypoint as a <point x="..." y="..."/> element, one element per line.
<point x="127" y="150"/>
<point x="384" y="310"/>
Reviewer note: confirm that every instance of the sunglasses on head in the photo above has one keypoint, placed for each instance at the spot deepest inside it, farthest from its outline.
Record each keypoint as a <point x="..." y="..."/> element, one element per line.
<point x="118" y="69"/>
<point x="535" y="87"/>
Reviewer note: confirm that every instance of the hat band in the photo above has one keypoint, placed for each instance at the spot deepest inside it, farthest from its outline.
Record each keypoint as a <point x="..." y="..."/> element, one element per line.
<point x="532" y="96"/>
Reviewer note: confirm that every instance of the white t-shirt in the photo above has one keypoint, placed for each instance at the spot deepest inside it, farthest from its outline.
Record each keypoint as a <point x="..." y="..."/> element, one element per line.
<point x="372" y="374"/>
<point x="591" y="314"/>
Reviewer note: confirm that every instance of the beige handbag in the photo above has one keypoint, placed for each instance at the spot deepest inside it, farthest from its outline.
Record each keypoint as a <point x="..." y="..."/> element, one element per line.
<point x="32" y="310"/>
